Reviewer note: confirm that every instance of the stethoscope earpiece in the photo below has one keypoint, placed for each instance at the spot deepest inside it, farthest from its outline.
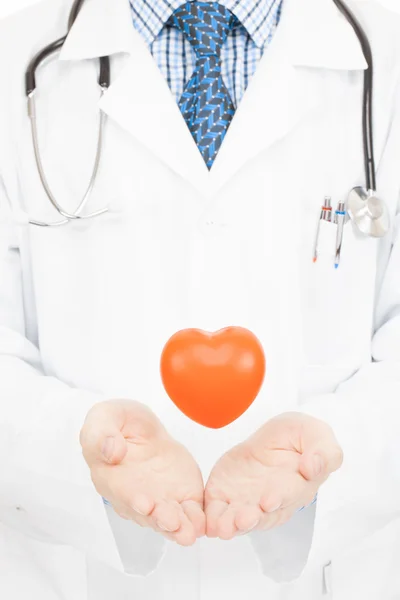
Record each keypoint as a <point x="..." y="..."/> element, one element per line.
<point x="368" y="212"/>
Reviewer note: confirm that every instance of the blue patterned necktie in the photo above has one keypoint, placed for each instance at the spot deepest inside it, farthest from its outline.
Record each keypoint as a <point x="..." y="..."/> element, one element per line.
<point x="206" y="104"/>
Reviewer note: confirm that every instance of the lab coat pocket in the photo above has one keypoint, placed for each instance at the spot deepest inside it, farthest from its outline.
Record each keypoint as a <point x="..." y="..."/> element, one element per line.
<point x="338" y="299"/>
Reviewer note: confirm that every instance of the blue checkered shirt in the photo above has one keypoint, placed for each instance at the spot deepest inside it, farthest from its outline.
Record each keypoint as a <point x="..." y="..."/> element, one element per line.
<point x="242" y="51"/>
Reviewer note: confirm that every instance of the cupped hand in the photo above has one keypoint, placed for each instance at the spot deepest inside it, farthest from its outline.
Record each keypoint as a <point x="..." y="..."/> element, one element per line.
<point x="142" y="471"/>
<point x="263" y="481"/>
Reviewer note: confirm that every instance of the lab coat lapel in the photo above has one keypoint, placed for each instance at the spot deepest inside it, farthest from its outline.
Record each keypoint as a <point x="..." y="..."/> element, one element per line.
<point x="141" y="102"/>
<point x="288" y="83"/>
<point x="139" y="98"/>
<point x="277" y="98"/>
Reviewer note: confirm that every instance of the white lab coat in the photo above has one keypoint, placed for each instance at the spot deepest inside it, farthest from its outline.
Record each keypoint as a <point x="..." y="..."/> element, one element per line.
<point x="86" y="309"/>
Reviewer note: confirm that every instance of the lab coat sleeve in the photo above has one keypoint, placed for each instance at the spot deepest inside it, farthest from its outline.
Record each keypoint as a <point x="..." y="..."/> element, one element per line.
<point x="364" y="413"/>
<point x="45" y="486"/>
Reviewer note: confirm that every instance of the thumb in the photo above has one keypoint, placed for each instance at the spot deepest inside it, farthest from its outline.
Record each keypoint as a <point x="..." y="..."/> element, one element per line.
<point x="321" y="455"/>
<point x="318" y="464"/>
<point x="101" y="436"/>
<point x="114" y="448"/>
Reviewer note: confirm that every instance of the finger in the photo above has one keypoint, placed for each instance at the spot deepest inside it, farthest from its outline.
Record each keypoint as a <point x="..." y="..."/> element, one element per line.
<point x="226" y="527"/>
<point x="186" y="534"/>
<point x="196" y="516"/>
<point x="319" y="462"/>
<point x="127" y="502"/>
<point x="99" y="447"/>
<point x="167" y="516"/>
<point x="114" y="449"/>
<point x="321" y="453"/>
<point x="127" y="513"/>
<point x="168" y="536"/>
<point x="247" y="518"/>
<point x="275" y="519"/>
<point x="142" y="504"/>
<point x="121" y="510"/>
<point x="214" y="511"/>
<point x="101" y="438"/>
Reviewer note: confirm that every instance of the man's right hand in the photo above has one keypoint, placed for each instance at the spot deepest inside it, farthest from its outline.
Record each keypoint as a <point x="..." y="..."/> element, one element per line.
<point x="147" y="476"/>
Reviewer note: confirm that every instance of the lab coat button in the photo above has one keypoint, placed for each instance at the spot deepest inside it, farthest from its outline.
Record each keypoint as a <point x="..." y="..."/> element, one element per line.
<point x="211" y="228"/>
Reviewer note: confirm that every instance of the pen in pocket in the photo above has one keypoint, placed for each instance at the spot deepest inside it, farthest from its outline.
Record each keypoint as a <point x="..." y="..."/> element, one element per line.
<point x="340" y="218"/>
<point x="325" y="215"/>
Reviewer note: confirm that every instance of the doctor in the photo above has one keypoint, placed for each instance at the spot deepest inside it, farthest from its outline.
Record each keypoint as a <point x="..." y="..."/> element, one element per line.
<point x="203" y="235"/>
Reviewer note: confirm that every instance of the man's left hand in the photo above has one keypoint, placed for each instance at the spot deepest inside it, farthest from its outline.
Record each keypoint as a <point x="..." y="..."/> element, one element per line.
<point x="264" y="481"/>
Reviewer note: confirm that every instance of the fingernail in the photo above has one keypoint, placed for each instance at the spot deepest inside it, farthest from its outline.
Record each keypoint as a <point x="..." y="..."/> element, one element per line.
<point x="108" y="448"/>
<point x="163" y="528"/>
<point x="274" y="508"/>
<point x="139" y="512"/>
<point x="317" y="460"/>
<point x="252" y="527"/>
<point x="141" y="504"/>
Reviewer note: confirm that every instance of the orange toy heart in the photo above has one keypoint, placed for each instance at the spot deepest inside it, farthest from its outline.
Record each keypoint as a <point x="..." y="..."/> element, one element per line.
<point x="213" y="378"/>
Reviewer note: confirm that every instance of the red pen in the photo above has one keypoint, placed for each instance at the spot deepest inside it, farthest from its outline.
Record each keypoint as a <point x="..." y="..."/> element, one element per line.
<point x="326" y="215"/>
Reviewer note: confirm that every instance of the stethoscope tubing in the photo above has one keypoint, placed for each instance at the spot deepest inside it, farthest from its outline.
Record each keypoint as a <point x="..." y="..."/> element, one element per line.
<point x="30" y="88"/>
<point x="68" y="216"/>
<point x="104" y="82"/>
<point x="367" y="108"/>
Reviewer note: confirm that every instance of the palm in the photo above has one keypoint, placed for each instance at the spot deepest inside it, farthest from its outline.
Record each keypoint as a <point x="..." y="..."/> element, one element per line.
<point x="242" y="476"/>
<point x="150" y="479"/>
<point x="163" y="470"/>
<point x="243" y="486"/>
<point x="264" y="481"/>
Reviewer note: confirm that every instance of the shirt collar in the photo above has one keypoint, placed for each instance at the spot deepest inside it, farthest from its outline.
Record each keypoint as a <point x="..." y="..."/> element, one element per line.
<point x="310" y="29"/>
<point x="259" y="17"/>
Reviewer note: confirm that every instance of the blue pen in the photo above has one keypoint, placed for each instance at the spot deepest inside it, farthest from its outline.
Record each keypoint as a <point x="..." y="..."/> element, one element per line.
<point x="340" y="218"/>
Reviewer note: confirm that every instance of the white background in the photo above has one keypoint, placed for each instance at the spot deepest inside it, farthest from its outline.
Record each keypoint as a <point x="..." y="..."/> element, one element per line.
<point x="9" y="6"/>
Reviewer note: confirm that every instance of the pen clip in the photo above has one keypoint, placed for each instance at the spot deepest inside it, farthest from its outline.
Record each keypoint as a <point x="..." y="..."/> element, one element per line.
<point x="340" y="220"/>
<point x="325" y="215"/>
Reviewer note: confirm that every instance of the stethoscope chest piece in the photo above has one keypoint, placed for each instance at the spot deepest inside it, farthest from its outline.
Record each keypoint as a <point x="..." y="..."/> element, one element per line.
<point x="368" y="212"/>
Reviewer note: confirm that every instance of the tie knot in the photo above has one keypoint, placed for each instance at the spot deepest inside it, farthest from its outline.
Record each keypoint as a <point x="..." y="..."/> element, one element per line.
<point x="205" y="24"/>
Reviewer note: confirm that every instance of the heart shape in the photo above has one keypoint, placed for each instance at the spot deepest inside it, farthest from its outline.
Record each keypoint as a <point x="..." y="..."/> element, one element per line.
<point x="213" y="378"/>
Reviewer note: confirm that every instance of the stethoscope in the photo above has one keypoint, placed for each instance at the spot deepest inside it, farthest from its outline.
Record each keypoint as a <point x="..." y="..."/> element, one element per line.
<point x="367" y="211"/>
